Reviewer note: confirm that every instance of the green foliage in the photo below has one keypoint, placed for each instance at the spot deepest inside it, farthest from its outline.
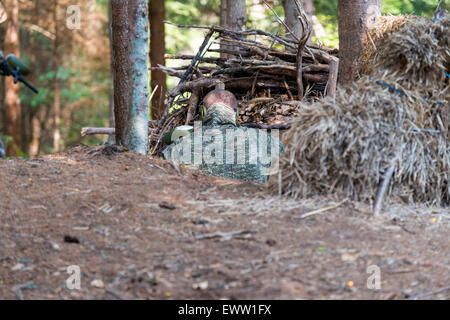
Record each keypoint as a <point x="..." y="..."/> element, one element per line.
<point x="85" y="82"/>
<point x="39" y="98"/>
<point x="417" y="7"/>
<point x="326" y="13"/>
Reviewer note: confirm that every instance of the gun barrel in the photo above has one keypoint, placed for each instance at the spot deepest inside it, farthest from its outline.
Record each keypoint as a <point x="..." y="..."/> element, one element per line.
<point x="29" y="85"/>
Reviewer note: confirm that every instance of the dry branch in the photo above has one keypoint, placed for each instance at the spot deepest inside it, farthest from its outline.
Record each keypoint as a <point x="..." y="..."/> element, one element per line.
<point x="258" y="65"/>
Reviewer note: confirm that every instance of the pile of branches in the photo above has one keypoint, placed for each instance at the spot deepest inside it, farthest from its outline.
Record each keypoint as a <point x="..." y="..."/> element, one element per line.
<point x="268" y="73"/>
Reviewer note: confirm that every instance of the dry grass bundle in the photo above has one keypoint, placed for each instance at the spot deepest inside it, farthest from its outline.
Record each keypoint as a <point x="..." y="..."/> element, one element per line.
<point x="383" y="27"/>
<point x="413" y="51"/>
<point x="345" y="145"/>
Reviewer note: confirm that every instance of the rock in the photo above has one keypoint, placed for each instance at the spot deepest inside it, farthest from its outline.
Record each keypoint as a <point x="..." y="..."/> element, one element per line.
<point x="97" y="283"/>
<point x="167" y="205"/>
<point x="18" y="266"/>
<point x="200" y="286"/>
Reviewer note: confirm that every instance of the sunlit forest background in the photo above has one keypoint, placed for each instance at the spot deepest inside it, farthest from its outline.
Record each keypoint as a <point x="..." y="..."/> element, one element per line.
<point x="81" y="58"/>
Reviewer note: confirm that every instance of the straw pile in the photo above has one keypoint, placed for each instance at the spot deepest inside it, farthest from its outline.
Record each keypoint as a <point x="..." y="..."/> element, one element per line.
<point x="346" y="145"/>
<point x="383" y="27"/>
<point x="411" y="50"/>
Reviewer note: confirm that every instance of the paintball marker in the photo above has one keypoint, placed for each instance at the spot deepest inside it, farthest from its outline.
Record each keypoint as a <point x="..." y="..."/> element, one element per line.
<point x="12" y="66"/>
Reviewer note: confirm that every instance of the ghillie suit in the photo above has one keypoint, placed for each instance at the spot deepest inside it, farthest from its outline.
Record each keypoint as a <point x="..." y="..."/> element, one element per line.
<point x="221" y="148"/>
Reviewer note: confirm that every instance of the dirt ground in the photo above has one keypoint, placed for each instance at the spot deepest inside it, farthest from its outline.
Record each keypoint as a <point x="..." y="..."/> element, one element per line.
<point x="140" y="228"/>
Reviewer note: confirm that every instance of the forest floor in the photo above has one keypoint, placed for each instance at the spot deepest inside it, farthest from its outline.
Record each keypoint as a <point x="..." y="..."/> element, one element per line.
<point x="140" y="228"/>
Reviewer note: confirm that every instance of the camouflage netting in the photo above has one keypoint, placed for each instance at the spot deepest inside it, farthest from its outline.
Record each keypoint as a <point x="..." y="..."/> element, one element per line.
<point x="253" y="152"/>
<point x="345" y="145"/>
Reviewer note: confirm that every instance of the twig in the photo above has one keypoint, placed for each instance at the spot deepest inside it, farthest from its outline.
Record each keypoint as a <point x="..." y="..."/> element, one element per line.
<point x="90" y="130"/>
<point x="223" y="236"/>
<point x="115" y="295"/>
<point x="288" y="89"/>
<point x="281" y="126"/>
<point x="153" y="92"/>
<point x="292" y="43"/>
<point x="282" y="22"/>
<point x="429" y="293"/>
<point x="306" y="33"/>
<point x="332" y="77"/>
<point x="185" y="77"/>
<point x="308" y="214"/>
<point x="197" y="56"/>
<point x="193" y="101"/>
<point x="110" y="131"/>
<point x="382" y="190"/>
<point x="18" y="289"/>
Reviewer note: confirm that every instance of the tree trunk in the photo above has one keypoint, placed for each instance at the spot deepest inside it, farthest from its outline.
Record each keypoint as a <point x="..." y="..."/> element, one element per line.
<point x="33" y="148"/>
<point x="56" y="89"/>
<point x="111" y="138"/>
<point x="291" y="15"/>
<point x="157" y="51"/>
<point x="130" y="69"/>
<point x="355" y="18"/>
<point x="224" y="13"/>
<point x="223" y="22"/>
<point x="12" y="98"/>
<point x="237" y="14"/>
<point x="233" y="15"/>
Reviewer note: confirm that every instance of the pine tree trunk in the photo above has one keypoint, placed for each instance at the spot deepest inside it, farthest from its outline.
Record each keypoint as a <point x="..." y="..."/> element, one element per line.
<point x="12" y="98"/>
<point x="130" y="68"/>
<point x="157" y="51"/>
<point x="355" y="17"/>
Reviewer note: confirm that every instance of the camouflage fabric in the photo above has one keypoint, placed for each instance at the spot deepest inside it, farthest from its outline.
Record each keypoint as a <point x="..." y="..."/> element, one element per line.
<point x="2" y="150"/>
<point x="221" y="148"/>
<point x="219" y="113"/>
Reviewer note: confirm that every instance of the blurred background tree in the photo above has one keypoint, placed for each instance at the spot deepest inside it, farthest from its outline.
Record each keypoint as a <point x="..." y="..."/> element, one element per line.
<point x="71" y="67"/>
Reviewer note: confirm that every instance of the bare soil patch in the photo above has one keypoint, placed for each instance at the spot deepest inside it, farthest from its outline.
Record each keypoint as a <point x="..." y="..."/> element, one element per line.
<point x="140" y="228"/>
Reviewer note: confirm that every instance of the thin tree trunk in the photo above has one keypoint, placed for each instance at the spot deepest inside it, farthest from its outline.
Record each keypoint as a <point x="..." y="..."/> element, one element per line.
<point x="224" y="13"/>
<point x="112" y="137"/>
<point x="12" y="98"/>
<point x="56" y="88"/>
<point x="237" y="14"/>
<point x="35" y="136"/>
<point x="157" y="51"/>
<point x="291" y="16"/>
<point x="223" y="21"/>
<point x="355" y="18"/>
<point x="130" y="57"/>
<point x="233" y="16"/>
